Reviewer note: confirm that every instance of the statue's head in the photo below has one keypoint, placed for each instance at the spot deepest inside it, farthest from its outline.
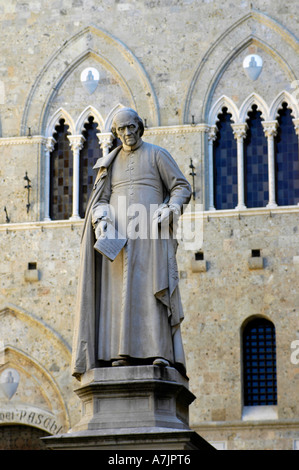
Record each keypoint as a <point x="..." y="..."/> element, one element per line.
<point x="127" y="126"/>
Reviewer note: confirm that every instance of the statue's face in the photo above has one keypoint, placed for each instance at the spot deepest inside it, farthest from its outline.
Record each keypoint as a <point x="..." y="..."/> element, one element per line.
<point x="127" y="129"/>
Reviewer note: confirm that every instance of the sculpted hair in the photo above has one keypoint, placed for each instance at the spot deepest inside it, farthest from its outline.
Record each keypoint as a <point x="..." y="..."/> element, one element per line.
<point x="136" y="118"/>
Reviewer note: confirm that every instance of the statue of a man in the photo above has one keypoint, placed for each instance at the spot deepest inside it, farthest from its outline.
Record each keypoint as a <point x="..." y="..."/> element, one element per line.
<point x="129" y="311"/>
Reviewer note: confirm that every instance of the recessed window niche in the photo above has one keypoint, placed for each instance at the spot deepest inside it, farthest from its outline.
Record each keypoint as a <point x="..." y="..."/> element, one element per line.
<point x="198" y="263"/>
<point x="31" y="274"/>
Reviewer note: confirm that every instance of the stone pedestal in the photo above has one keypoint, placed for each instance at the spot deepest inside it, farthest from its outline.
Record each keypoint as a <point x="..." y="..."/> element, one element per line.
<point x="138" y="407"/>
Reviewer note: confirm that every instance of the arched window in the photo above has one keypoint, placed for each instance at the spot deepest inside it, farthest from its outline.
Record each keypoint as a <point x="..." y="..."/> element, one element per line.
<point x="225" y="164"/>
<point x="259" y="363"/>
<point x="89" y="154"/>
<point x="61" y="174"/>
<point x="256" y="162"/>
<point x="287" y="160"/>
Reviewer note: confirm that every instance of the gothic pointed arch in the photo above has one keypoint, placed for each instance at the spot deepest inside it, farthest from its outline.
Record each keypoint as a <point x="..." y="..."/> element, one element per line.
<point x="109" y="118"/>
<point x="253" y="99"/>
<point x="56" y="118"/>
<point x="114" y="57"/>
<point x="31" y="382"/>
<point x="89" y="111"/>
<point x="223" y="102"/>
<point x="282" y="97"/>
<point x="264" y="32"/>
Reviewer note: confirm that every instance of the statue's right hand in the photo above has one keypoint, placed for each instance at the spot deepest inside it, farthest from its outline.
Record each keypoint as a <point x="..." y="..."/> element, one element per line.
<point x="100" y="228"/>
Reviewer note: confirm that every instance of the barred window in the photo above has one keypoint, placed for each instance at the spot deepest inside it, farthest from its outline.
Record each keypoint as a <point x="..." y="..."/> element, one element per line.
<point x="259" y="363"/>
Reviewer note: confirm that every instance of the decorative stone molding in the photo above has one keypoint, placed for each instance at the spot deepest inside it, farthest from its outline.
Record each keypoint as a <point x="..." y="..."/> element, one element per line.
<point x="180" y="129"/>
<point x="53" y="224"/>
<point x="106" y="141"/>
<point x="270" y="130"/>
<point x="212" y="134"/>
<point x="34" y="140"/>
<point x="239" y="131"/>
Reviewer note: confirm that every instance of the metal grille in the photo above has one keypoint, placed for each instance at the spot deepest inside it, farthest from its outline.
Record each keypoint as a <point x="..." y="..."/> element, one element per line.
<point x="259" y="361"/>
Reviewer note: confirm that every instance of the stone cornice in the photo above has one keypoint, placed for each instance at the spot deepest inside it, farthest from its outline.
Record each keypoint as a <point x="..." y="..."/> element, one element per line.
<point x="161" y="130"/>
<point x="206" y="215"/>
<point x="34" y="140"/>
<point x="179" y="129"/>
<point x="270" y="128"/>
<point x="229" y="425"/>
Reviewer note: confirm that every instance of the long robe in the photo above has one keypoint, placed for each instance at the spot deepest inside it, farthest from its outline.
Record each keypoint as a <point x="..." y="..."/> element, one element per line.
<point x="131" y="306"/>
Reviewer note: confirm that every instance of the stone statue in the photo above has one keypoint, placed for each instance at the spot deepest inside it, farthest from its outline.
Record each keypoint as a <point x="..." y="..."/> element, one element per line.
<point x="129" y="311"/>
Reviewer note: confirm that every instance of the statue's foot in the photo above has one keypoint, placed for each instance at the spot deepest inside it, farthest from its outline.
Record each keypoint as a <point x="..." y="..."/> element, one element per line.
<point x="160" y="362"/>
<point x="120" y="362"/>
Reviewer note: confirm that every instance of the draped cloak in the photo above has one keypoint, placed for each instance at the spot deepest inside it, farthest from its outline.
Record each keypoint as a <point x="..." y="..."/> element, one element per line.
<point x="116" y="315"/>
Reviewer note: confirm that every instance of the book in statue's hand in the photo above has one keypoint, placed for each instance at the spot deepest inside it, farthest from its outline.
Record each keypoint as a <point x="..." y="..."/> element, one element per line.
<point x="110" y="243"/>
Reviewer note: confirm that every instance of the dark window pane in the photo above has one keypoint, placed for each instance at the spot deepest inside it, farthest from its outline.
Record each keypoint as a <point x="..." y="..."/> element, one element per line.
<point x="287" y="160"/>
<point x="61" y="167"/>
<point x="225" y="164"/>
<point x="255" y="162"/>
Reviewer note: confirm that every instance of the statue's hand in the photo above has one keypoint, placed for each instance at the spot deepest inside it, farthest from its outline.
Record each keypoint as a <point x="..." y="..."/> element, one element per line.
<point x="162" y="214"/>
<point x="100" y="228"/>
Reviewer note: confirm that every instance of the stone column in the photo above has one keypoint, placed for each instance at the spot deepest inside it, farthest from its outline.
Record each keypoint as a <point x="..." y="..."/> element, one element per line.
<point x="239" y="131"/>
<point x="106" y="141"/>
<point x="211" y="138"/>
<point x="270" y="130"/>
<point x="76" y="143"/>
<point x="49" y="146"/>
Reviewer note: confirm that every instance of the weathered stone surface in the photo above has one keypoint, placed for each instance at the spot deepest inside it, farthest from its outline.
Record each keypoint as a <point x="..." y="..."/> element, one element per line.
<point x="185" y="54"/>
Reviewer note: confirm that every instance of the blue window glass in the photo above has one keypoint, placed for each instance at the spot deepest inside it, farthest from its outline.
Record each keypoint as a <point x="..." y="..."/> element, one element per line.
<point x="255" y="162"/>
<point x="89" y="154"/>
<point x="61" y="175"/>
<point x="225" y="164"/>
<point x="259" y="363"/>
<point x="287" y="160"/>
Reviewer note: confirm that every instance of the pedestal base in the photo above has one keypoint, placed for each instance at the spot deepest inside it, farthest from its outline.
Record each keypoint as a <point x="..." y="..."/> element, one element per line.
<point x="136" y="407"/>
<point x="129" y="439"/>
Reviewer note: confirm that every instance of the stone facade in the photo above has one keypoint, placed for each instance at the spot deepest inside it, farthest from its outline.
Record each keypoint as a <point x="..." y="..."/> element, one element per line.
<point x="178" y="62"/>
